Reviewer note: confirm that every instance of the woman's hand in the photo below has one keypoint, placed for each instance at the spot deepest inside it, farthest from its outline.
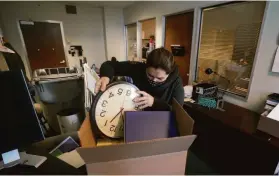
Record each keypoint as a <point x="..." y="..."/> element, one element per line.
<point x="101" y="84"/>
<point x="143" y="101"/>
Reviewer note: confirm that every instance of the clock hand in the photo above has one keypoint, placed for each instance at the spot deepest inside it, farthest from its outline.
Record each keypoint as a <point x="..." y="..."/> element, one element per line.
<point x="116" y="115"/>
<point x="123" y="102"/>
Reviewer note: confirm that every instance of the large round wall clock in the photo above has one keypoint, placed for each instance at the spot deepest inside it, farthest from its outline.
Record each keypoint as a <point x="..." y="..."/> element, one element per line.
<point x="108" y="108"/>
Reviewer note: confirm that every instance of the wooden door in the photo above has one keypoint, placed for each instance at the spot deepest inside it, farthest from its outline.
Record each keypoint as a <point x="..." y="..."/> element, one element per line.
<point x="179" y="30"/>
<point x="44" y="45"/>
<point x="148" y="28"/>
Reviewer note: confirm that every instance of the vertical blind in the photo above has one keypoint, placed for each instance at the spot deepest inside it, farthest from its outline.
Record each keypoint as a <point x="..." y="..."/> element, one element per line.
<point x="228" y="43"/>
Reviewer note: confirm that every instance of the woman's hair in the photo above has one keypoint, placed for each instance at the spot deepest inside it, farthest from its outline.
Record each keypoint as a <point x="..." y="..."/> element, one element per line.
<point x="161" y="58"/>
<point x="113" y="59"/>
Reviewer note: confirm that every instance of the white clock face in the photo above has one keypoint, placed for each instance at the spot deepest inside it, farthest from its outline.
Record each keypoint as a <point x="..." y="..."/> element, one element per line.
<point x="109" y="112"/>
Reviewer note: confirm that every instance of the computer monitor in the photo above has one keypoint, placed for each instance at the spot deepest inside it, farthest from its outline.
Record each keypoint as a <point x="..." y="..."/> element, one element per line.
<point x="19" y="124"/>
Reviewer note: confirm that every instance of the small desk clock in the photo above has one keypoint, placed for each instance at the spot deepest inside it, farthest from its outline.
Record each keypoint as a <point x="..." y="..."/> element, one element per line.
<point x="108" y="108"/>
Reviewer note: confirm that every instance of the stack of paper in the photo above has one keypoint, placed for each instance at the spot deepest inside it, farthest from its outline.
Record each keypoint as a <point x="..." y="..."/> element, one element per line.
<point x="188" y="90"/>
<point x="274" y="114"/>
<point x="5" y="49"/>
<point x="72" y="158"/>
<point x="90" y="79"/>
<point x="32" y="160"/>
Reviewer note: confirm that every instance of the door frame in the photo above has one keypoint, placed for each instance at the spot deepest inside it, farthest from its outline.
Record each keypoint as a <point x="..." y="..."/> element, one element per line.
<point x="24" y="46"/>
<point x="126" y="41"/>
<point x="139" y="35"/>
<point x="193" y="42"/>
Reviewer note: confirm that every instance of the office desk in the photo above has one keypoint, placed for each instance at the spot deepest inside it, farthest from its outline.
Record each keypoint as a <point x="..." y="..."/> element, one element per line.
<point x="52" y="166"/>
<point x="229" y="142"/>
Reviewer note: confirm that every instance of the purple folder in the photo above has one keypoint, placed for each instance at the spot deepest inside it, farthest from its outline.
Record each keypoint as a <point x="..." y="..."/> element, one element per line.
<point x="148" y="125"/>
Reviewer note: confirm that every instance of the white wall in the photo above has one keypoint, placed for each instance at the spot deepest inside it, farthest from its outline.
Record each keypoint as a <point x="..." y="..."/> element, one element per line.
<point x="131" y="39"/>
<point x="263" y="81"/>
<point x="85" y="28"/>
<point x="114" y="31"/>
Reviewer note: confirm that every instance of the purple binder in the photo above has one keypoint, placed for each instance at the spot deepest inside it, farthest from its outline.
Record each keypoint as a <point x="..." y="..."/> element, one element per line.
<point x="148" y="125"/>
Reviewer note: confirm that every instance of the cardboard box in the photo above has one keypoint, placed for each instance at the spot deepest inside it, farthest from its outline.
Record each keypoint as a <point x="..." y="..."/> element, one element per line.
<point x="269" y="126"/>
<point x="154" y="157"/>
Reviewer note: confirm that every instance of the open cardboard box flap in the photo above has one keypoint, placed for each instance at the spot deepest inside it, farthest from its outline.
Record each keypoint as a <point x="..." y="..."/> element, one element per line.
<point x="160" y="156"/>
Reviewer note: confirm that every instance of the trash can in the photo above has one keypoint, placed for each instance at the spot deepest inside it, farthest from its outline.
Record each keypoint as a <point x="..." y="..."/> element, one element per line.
<point x="69" y="120"/>
<point x="58" y="89"/>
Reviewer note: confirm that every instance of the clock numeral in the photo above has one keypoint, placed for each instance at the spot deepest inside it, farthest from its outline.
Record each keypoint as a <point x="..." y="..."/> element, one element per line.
<point x="112" y="128"/>
<point x="128" y="93"/>
<point x="111" y="94"/>
<point x="104" y="103"/>
<point x="103" y="113"/>
<point x="106" y="122"/>
<point x="119" y="92"/>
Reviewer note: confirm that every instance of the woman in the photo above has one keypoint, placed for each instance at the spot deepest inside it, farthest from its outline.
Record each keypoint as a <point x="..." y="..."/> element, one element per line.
<point x="158" y="79"/>
<point x="119" y="78"/>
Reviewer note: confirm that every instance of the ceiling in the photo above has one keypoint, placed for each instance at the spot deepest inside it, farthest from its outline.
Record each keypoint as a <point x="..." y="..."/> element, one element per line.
<point x="118" y="4"/>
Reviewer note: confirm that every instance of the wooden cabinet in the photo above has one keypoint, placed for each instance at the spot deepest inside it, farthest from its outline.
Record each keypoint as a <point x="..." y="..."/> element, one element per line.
<point x="229" y="143"/>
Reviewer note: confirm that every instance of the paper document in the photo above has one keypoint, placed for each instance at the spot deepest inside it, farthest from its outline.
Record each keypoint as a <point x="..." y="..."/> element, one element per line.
<point x="68" y="145"/>
<point x="275" y="67"/>
<point x="277" y="170"/>
<point x="188" y="91"/>
<point x="5" y="49"/>
<point x="72" y="158"/>
<point x="91" y="77"/>
<point x="32" y="160"/>
<point x="189" y="100"/>
<point x="274" y="114"/>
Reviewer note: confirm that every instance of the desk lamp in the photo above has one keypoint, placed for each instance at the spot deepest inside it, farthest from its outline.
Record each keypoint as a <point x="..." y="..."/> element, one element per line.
<point x="209" y="71"/>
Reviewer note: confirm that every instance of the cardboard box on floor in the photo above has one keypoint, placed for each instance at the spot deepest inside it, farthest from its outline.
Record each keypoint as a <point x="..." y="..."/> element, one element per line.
<point x="155" y="157"/>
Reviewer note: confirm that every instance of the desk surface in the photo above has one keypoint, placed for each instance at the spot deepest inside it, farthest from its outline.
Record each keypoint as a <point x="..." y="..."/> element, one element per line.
<point x="52" y="166"/>
<point x="236" y="117"/>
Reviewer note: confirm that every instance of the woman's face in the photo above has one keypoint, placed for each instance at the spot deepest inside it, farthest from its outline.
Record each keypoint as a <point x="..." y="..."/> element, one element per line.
<point x="157" y="75"/>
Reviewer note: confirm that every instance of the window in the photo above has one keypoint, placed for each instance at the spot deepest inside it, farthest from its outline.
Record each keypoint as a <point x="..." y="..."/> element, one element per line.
<point x="148" y="28"/>
<point x="228" y="42"/>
